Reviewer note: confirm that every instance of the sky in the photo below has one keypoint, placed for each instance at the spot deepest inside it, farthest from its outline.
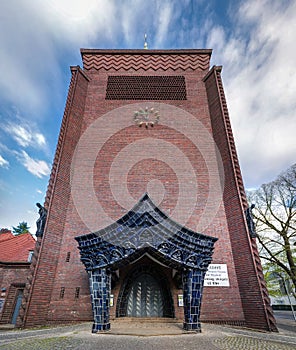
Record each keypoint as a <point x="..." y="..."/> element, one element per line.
<point x="254" y="41"/>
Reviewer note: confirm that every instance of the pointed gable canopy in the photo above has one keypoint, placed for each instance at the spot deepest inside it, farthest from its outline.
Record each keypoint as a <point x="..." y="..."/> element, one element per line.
<point x="145" y="229"/>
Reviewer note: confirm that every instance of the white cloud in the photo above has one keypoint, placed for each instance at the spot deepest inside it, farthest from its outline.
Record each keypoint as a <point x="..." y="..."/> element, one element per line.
<point x="79" y="22"/>
<point x="260" y="81"/>
<point x="40" y="139"/>
<point x="132" y="17"/>
<point x="24" y="134"/>
<point x="20" y="62"/>
<point x="3" y="162"/>
<point x="37" y="36"/>
<point x="165" y="13"/>
<point x="36" y="167"/>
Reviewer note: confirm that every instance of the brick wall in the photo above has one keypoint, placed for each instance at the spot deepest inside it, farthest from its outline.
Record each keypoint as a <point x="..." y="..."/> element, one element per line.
<point x="59" y="272"/>
<point x="58" y="197"/>
<point x="13" y="277"/>
<point x="250" y="288"/>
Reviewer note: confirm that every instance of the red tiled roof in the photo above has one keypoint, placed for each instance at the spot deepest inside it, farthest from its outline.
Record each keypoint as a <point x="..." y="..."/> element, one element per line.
<point x="4" y="236"/>
<point x="16" y="248"/>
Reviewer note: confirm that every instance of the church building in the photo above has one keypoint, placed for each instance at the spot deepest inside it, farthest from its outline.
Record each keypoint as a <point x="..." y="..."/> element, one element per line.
<point x="146" y="208"/>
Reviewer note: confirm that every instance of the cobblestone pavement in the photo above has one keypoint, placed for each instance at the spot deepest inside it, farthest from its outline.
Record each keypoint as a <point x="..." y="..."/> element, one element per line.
<point x="132" y="336"/>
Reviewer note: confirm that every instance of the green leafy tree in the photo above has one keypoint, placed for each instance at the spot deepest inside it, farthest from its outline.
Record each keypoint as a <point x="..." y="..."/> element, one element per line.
<point x="275" y="220"/>
<point x="4" y="230"/>
<point x="21" y="228"/>
<point x="277" y="280"/>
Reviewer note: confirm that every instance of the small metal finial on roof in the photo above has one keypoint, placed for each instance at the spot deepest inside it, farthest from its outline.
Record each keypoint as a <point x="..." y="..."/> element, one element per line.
<point x="145" y="42"/>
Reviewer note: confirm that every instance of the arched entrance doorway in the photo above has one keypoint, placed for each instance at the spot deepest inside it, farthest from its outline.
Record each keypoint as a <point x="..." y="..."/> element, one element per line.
<point x="145" y="293"/>
<point x="145" y="231"/>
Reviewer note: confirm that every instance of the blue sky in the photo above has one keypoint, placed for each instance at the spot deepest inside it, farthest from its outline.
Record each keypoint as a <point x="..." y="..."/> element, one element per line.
<point x="254" y="41"/>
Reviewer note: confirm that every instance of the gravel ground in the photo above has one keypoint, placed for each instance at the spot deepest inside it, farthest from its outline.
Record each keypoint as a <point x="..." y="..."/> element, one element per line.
<point x="134" y="336"/>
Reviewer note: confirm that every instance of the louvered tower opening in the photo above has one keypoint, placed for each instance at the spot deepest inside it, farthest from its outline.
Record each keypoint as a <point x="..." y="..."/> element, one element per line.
<point x="146" y="88"/>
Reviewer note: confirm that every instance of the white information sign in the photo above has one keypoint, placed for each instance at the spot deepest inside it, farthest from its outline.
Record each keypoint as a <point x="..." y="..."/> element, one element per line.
<point x="217" y="276"/>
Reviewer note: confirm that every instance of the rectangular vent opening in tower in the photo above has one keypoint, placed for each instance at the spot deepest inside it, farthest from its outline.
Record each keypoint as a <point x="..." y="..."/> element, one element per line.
<point x="146" y="88"/>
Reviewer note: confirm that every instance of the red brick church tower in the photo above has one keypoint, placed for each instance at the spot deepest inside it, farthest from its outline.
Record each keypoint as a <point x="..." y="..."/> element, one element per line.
<point x="144" y="197"/>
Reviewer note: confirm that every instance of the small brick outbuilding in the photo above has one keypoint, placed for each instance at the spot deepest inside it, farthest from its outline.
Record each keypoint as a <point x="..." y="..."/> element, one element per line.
<point x="15" y="259"/>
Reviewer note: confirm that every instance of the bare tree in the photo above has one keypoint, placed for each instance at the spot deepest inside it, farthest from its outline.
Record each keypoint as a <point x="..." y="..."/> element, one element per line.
<point x="275" y="220"/>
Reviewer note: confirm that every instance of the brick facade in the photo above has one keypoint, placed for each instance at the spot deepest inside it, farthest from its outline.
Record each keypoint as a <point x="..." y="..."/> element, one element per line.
<point x="13" y="277"/>
<point x="15" y="256"/>
<point x="104" y="162"/>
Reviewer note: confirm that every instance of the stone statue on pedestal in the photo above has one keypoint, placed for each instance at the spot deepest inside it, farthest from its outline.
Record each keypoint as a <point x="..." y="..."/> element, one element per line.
<point x="40" y="223"/>
<point x="250" y="221"/>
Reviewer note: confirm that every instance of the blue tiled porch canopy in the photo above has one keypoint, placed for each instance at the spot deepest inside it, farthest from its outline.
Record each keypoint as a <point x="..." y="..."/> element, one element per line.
<point x="146" y="229"/>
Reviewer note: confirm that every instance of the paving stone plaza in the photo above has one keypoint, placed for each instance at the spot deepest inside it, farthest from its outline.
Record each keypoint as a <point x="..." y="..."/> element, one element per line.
<point x="150" y="335"/>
